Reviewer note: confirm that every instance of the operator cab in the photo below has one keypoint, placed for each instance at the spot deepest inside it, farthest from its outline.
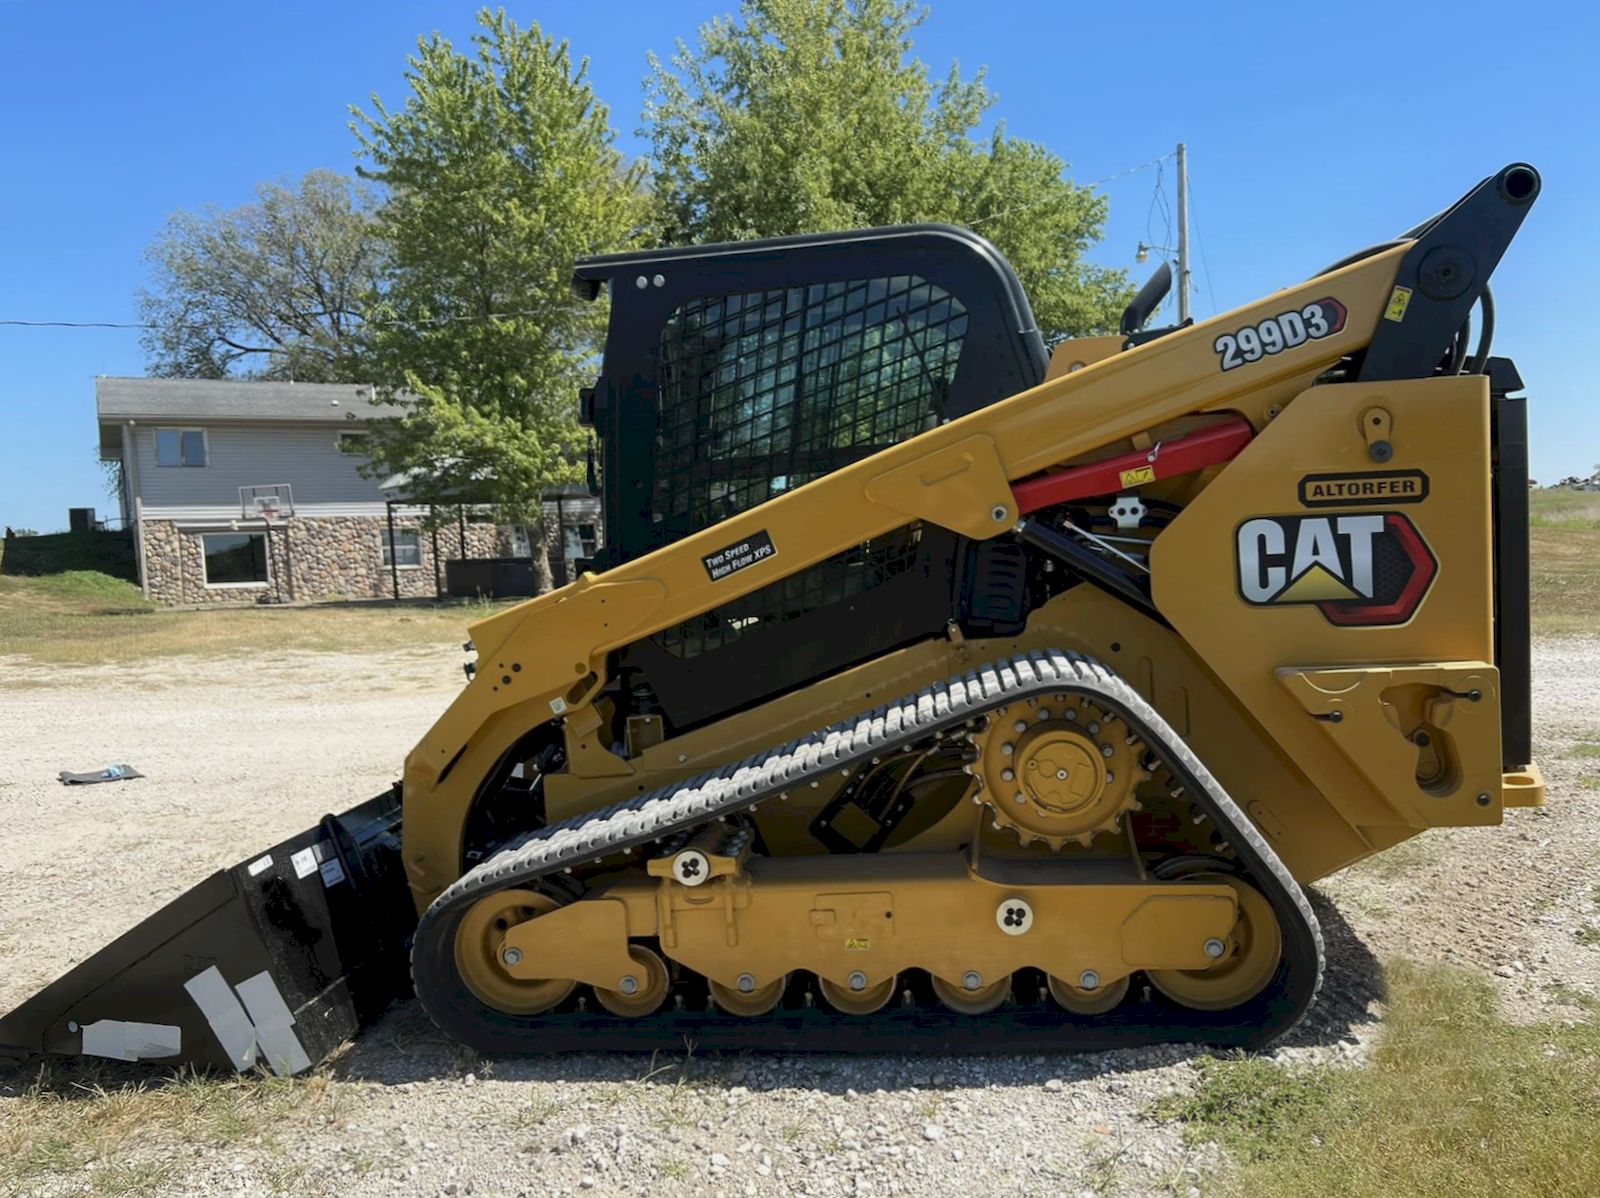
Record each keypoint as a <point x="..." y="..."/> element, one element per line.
<point x="736" y="372"/>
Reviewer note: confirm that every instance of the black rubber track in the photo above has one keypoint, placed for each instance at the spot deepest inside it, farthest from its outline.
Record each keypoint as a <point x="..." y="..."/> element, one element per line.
<point x="540" y="858"/>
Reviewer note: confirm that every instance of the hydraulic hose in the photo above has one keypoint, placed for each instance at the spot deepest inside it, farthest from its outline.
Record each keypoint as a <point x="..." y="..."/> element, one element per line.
<point x="1480" y="357"/>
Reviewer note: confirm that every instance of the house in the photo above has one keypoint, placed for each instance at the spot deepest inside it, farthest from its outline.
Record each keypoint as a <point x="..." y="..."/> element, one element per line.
<point x="254" y="492"/>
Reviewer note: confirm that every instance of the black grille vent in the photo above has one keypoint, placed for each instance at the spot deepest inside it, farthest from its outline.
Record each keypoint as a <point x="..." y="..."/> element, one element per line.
<point x="829" y="581"/>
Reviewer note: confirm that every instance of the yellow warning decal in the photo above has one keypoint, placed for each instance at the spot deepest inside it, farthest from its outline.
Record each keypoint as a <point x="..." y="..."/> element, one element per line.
<point x="1138" y="475"/>
<point x="857" y="944"/>
<point x="1398" y="302"/>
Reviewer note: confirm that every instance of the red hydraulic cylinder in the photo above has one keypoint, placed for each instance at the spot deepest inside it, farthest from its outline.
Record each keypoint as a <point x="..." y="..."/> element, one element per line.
<point x="1209" y="447"/>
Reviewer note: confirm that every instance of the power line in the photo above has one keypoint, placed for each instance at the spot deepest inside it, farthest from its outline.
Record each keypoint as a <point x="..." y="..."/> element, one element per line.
<point x="114" y="324"/>
<point x="1201" y="242"/>
<point x="74" y="324"/>
<point x="1158" y="203"/>
<point x="1128" y="170"/>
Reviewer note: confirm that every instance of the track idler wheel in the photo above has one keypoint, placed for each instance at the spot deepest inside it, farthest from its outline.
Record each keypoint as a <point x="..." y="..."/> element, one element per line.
<point x="640" y="993"/>
<point x="477" y="954"/>
<point x="1087" y="1002"/>
<point x="1247" y="962"/>
<point x="754" y="1001"/>
<point x="863" y="1001"/>
<point x="969" y="1000"/>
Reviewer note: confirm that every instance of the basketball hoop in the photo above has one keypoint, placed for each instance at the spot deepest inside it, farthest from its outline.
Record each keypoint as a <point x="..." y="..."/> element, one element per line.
<point x="273" y="501"/>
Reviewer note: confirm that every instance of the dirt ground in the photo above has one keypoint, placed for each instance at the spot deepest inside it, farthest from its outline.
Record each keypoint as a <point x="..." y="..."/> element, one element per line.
<point x="237" y="753"/>
<point x="242" y="752"/>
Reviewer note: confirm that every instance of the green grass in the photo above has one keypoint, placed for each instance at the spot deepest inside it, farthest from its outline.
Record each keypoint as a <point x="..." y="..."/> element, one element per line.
<point x="87" y="589"/>
<point x="1564" y="993"/>
<point x="1585" y="749"/>
<point x="1456" y="1103"/>
<point x="1565" y="556"/>
<point x="1565" y="580"/>
<point x="1400" y="860"/>
<point x="1588" y="935"/>
<point x="1550" y="507"/>
<point x="81" y="617"/>
<point x="536" y="1113"/>
<point x="69" y="1128"/>
<point x="1254" y="1108"/>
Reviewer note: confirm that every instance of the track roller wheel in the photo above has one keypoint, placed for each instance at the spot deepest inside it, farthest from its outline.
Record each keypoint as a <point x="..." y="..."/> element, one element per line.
<point x="1087" y="1002"/>
<point x="966" y="1001"/>
<point x="477" y="953"/>
<point x="859" y="1002"/>
<point x="1250" y="957"/>
<point x="640" y="993"/>
<point x="749" y="1002"/>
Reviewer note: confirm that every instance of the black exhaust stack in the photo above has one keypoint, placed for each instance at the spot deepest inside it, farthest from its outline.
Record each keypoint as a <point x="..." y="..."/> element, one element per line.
<point x="1147" y="301"/>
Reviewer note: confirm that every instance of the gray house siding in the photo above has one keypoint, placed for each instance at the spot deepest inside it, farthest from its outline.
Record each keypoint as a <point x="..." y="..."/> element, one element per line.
<point x="325" y="481"/>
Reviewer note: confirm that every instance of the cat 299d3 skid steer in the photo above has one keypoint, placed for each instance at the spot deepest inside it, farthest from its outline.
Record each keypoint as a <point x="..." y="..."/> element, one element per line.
<point x="933" y="691"/>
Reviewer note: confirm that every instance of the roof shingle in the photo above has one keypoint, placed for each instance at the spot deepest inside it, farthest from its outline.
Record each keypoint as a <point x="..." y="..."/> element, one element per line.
<point x="118" y="399"/>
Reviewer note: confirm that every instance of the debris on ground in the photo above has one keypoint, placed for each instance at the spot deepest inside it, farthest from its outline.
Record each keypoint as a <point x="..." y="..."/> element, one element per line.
<point x="111" y="773"/>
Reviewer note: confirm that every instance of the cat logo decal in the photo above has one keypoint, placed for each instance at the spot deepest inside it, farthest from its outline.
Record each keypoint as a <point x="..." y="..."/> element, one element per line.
<point x="1358" y="569"/>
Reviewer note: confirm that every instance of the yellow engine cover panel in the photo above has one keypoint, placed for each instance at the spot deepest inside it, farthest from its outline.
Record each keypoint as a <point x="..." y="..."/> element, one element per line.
<point x="1354" y="535"/>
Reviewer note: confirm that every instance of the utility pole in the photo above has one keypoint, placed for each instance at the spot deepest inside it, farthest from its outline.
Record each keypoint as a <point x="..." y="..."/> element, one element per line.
<point x="1184" y="277"/>
<point x="1185" y="274"/>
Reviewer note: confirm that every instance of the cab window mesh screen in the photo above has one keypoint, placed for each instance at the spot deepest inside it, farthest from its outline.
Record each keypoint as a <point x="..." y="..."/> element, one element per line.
<point x="765" y="390"/>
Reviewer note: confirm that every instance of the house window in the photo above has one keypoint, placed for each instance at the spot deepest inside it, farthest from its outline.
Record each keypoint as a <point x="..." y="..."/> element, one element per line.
<point x="180" y="447"/>
<point x="406" y="549"/>
<point x="355" y="443"/>
<point x="581" y="540"/>
<point x="235" y="558"/>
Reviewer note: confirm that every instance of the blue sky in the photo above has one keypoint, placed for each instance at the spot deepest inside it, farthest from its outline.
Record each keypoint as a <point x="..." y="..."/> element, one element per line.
<point x="1314" y="130"/>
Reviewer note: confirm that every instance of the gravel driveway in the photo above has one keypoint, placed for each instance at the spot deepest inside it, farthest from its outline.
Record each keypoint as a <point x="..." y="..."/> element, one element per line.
<point x="240" y="753"/>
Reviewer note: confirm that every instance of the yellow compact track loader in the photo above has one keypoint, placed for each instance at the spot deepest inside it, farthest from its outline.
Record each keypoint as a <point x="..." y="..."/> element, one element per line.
<point x="933" y="691"/>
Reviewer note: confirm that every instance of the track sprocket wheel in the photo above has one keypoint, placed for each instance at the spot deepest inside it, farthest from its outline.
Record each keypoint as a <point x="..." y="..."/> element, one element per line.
<point x="1058" y="768"/>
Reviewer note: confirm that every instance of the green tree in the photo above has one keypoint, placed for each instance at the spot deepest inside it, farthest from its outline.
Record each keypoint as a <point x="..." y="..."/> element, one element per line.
<point x="809" y="115"/>
<point x="272" y="289"/>
<point x="500" y="170"/>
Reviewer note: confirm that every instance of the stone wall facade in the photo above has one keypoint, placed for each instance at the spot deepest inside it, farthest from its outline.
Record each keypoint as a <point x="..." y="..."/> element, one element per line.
<point x="310" y="558"/>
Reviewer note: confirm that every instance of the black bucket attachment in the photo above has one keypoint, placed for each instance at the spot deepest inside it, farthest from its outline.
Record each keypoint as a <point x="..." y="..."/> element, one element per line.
<point x="274" y="962"/>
